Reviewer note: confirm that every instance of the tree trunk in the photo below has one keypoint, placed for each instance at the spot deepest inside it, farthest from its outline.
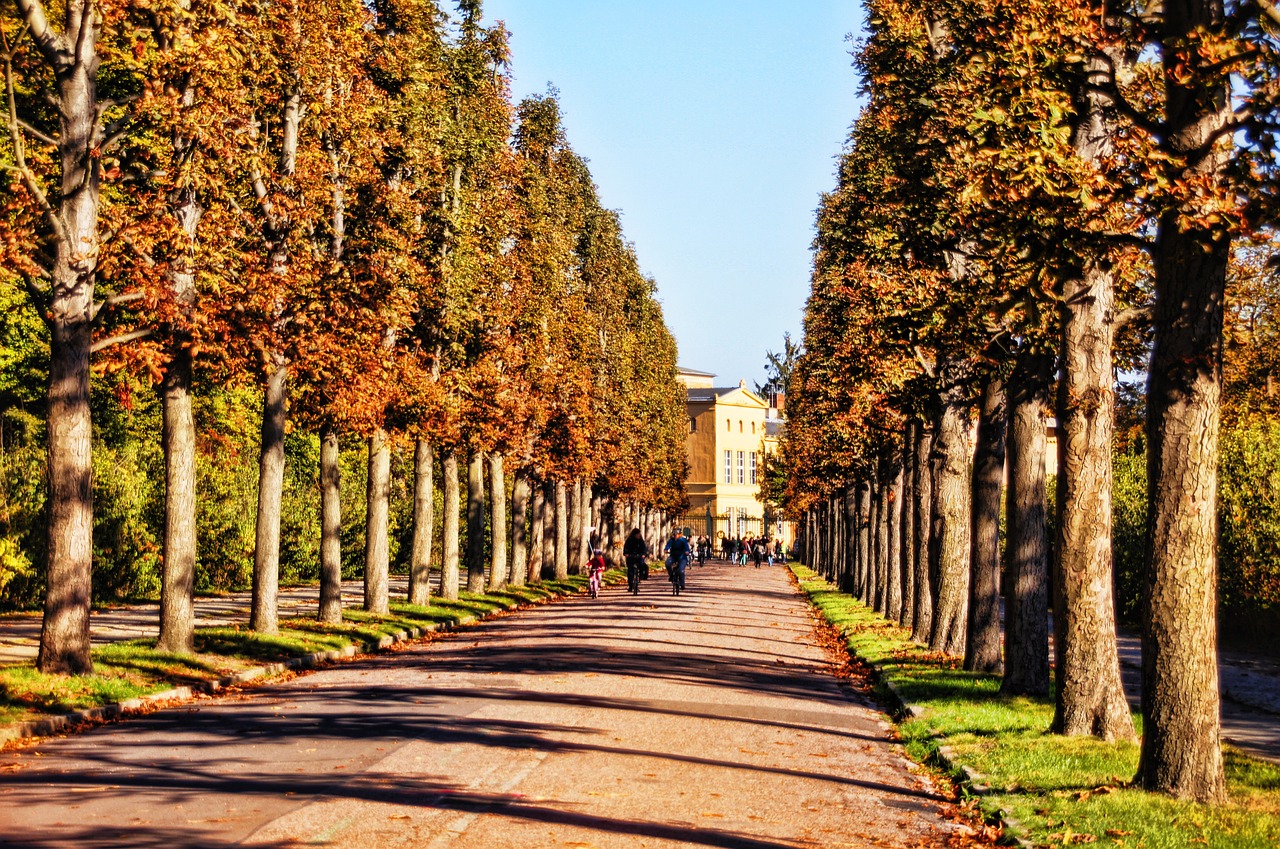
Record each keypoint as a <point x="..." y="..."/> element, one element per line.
<point x="377" y="565"/>
<point x="1026" y="627"/>
<point x="424" y="518"/>
<point x="64" y="636"/>
<point x="177" y="586"/>
<point x="865" y="538"/>
<point x="576" y="525"/>
<point x="849" y="511"/>
<point x="982" y="649"/>
<point x="906" y="545"/>
<point x="893" y="550"/>
<point x="264" y="617"/>
<point x="497" y="523"/>
<point x="538" y="528"/>
<point x="1181" y="746"/>
<point x="520" y="530"/>
<point x="883" y="487"/>
<point x="922" y="526"/>
<point x="475" y="523"/>
<point x="330" y="612"/>
<point x="951" y="521"/>
<point x="562" y="531"/>
<point x="1090" y="698"/>
<point x="452" y="521"/>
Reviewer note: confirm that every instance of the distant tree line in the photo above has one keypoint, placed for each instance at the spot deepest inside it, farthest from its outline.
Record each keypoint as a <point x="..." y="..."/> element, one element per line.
<point x="1037" y="197"/>
<point x="281" y="285"/>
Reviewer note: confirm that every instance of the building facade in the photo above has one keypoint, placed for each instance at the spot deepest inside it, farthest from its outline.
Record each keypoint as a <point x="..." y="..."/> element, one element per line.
<point x="731" y="428"/>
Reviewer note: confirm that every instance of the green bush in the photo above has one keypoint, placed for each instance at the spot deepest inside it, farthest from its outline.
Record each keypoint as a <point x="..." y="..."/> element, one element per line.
<point x="22" y="508"/>
<point x="1128" y="532"/>
<point x="1249" y="519"/>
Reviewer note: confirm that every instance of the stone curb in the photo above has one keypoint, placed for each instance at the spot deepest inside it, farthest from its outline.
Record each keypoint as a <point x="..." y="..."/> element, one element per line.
<point x="971" y="780"/>
<point x="67" y="722"/>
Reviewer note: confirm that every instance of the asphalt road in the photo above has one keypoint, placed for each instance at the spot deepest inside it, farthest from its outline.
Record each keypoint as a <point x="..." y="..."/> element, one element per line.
<point x="711" y="719"/>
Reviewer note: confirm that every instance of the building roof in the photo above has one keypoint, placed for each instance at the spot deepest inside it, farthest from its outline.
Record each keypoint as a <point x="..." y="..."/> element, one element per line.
<point x="711" y="394"/>
<point x="683" y="370"/>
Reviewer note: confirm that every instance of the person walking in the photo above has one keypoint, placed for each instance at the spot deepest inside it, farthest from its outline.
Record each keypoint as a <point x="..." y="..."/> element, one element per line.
<point x="635" y="552"/>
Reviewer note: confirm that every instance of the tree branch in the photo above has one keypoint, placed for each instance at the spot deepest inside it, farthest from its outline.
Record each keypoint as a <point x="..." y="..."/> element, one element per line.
<point x="1132" y="315"/>
<point x="116" y="300"/>
<point x="123" y="337"/>
<point x="52" y="46"/>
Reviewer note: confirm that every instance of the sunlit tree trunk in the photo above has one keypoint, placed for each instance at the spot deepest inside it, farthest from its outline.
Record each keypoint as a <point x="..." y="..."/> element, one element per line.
<point x="1181" y="746"/>
<point x="330" y="612"/>
<point x="1026" y="646"/>
<point x="951" y="521"/>
<point x="475" y="523"/>
<point x="1090" y="699"/>
<point x="497" y="523"/>
<point x="264" y="616"/>
<point x="424" y="518"/>
<point x="538" y="531"/>
<point x="452" y="522"/>
<point x="377" y="513"/>
<point x="520" y="529"/>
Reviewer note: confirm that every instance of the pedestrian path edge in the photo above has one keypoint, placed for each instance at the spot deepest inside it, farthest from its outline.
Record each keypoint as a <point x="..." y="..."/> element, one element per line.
<point x="68" y="722"/>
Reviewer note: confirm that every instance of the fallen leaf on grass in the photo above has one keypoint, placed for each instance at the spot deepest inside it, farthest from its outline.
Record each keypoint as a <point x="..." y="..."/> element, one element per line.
<point x="1115" y="832"/>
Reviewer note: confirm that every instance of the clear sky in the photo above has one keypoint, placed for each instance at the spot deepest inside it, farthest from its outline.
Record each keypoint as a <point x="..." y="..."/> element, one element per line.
<point x="712" y="126"/>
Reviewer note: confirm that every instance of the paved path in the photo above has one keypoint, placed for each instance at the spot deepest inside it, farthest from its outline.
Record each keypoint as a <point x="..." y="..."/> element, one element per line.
<point x="1250" y="683"/>
<point x="710" y="719"/>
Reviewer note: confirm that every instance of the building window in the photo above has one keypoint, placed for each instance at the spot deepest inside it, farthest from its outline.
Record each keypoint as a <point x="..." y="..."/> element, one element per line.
<point x="728" y="467"/>
<point x="693" y="424"/>
<point x="739" y="425"/>
<point x="753" y="468"/>
<point x="753" y="430"/>
<point x="727" y="426"/>
<point x="742" y="467"/>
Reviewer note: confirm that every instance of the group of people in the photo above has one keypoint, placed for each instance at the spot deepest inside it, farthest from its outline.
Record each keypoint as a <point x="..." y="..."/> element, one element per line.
<point x="679" y="550"/>
<point x="758" y="549"/>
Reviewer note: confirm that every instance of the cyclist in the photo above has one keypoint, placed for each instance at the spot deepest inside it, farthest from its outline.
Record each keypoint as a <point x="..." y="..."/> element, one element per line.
<point x="595" y="569"/>
<point x="677" y="560"/>
<point x="635" y="552"/>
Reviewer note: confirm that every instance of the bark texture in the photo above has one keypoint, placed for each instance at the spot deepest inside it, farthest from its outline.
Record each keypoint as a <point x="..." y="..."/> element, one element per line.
<point x="538" y="531"/>
<point x="951" y="523"/>
<point x="177" y="585"/>
<point x="982" y="648"/>
<point x="907" y="525"/>
<point x="424" y="519"/>
<point x="1089" y="695"/>
<point x="1026" y="647"/>
<point x="893" y="545"/>
<point x="264" y="617"/>
<point x="64" y="635"/>
<point x="377" y="564"/>
<point x="497" y="523"/>
<point x="475" y="523"/>
<point x="520" y="530"/>
<point x="452" y="520"/>
<point x="330" y="611"/>
<point x="1181" y="746"/>
<point x="922" y="484"/>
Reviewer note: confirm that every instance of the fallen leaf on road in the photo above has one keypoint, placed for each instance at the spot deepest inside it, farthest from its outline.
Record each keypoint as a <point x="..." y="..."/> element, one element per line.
<point x="400" y="817"/>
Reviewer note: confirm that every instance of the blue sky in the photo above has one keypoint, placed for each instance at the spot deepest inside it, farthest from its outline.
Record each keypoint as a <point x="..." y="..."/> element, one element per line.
<point x="712" y="126"/>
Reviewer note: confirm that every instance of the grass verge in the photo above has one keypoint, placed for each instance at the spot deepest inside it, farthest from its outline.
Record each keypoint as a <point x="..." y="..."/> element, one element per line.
<point x="133" y="668"/>
<point x="1052" y="790"/>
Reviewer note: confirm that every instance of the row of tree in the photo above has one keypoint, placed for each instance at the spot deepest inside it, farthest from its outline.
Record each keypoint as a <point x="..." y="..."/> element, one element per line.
<point x="1036" y="195"/>
<point x="338" y="203"/>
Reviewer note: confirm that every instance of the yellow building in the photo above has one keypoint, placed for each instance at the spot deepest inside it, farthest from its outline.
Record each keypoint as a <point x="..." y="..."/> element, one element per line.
<point x="730" y="430"/>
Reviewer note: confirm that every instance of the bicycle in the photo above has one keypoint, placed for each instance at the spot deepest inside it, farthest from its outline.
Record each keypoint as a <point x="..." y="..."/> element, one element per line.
<point x="675" y="573"/>
<point x="593" y="582"/>
<point x="633" y="575"/>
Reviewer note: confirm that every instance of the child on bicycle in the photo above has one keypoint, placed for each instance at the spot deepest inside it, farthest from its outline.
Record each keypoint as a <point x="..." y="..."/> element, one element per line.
<point x="595" y="572"/>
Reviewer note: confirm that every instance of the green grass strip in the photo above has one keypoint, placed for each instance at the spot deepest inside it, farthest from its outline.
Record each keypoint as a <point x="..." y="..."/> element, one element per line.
<point x="133" y="668"/>
<point x="1058" y="791"/>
